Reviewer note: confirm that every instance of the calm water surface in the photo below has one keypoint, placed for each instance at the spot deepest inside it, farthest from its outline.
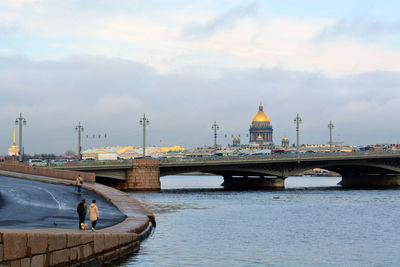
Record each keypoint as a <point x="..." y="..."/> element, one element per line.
<point x="312" y="222"/>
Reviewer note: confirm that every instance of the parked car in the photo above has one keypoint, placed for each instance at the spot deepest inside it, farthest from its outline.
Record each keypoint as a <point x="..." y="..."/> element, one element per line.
<point x="37" y="163"/>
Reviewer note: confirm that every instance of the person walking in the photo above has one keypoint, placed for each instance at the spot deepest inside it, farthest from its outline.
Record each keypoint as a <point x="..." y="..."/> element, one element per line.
<point x="79" y="183"/>
<point x="93" y="214"/>
<point x="82" y="209"/>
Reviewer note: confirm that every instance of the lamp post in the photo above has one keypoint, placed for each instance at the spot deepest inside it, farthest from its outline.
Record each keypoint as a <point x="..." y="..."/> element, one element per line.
<point x="94" y="136"/>
<point x="330" y="126"/>
<point x="19" y="121"/>
<point x="144" y="121"/>
<point x="297" y="120"/>
<point x="79" y="129"/>
<point x="215" y="127"/>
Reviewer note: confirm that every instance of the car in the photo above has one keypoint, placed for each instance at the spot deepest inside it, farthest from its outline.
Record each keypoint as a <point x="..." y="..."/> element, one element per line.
<point x="37" y="163"/>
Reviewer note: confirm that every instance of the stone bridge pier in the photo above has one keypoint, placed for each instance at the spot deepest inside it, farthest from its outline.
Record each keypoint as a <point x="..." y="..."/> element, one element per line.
<point x="373" y="180"/>
<point x="144" y="175"/>
<point x="384" y="174"/>
<point x="253" y="182"/>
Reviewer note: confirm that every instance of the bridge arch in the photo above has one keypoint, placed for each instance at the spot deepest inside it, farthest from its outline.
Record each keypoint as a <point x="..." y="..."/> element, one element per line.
<point x="367" y="172"/>
<point x="360" y="173"/>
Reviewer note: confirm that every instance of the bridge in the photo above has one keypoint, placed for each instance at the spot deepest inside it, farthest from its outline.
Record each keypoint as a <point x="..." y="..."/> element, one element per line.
<point x="358" y="169"/>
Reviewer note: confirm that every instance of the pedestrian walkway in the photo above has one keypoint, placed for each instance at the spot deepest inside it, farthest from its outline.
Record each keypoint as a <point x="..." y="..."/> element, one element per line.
<point x="139" y="219"/>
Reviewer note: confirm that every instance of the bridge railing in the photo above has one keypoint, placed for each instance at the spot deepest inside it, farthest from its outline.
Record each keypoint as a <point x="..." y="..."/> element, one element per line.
<point x="128" y="162"/>
<point x="89" y="163"/>
<point x="279" y="156"/>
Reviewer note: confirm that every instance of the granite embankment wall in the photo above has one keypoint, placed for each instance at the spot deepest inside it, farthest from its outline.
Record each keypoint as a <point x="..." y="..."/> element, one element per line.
<point x="49" y="247"/>
<point x="13" y="166"/>
<point x="58" y="247"/>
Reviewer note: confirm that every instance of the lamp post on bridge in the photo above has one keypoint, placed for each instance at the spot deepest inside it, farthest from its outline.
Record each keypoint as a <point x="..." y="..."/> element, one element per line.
<point x="330" y="126"/>
<point x="144" y="121"/>
<point x="79" y="129"/>
<point x="297" y="120"/>
<point x="215" y="127"/>
<point x="19" y="121"/>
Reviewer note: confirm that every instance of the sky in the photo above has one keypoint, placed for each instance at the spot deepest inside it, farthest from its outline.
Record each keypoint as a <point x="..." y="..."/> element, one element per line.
<point x="186" y="64"/>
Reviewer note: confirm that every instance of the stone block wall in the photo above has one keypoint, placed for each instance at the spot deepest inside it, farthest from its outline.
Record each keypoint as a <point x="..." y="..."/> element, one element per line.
<point x="47" y="247"/>
<point x="48" y="172"/>
<point x="144" y="175"/>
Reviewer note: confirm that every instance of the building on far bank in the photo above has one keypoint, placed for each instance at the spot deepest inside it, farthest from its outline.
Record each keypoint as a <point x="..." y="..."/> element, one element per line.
<point x="285" y="142"/>
<point x="236" y="141"/>
<point x="130" y="152"/>
<point x="14" y="149"/>
<point x="261" y="130"/>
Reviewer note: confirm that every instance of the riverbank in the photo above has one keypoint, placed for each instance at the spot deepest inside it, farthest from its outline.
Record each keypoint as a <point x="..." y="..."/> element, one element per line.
<point x="60" y="247"/>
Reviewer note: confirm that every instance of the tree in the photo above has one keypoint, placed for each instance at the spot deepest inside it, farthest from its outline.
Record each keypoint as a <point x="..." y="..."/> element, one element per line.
<point x="69" y="153"/>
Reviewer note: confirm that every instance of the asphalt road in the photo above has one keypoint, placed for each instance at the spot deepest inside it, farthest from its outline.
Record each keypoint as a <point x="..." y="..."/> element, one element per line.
<point x="31" y="204"/>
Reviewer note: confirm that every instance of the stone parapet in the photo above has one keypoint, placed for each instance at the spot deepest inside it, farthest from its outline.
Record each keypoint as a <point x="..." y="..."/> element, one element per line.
<point x="50" y="247"/>
<point x="48" y="172"/>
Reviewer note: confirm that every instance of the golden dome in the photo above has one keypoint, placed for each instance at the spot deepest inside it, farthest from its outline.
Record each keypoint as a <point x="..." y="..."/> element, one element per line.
<point x="236" y="138"/>
<point x="261" y="116"/>
<point x="285" y="138"/>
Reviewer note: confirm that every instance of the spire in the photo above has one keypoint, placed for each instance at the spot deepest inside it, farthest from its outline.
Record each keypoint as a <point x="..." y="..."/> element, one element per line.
<point x="14" y="138"/>
<point x="260" y="108"/>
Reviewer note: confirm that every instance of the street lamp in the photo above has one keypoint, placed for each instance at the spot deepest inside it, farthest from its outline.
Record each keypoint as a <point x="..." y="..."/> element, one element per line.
<point x="297" y="120"/>
<point x="79" y="129"/>
<point x="94" y="136"/>
<point x="144" y="121"/>
<point x="330" y="126"/>
<point x="215" y="127"/>
<point x="19" y="121"/>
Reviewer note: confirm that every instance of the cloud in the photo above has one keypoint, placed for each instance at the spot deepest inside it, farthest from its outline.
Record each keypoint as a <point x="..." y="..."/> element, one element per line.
<point x="362" y="28"/>
<point x="15" y="4"/>
<point x="109" y="95"/>
<point x="173" y="39"/>
<point x="220" y="22"/>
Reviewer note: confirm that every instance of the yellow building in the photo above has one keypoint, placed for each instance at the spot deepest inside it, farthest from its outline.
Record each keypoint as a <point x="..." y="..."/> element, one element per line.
<point x="285" y="142"/>
<point x="13" y="150"/>
<point x="127" y="152"/>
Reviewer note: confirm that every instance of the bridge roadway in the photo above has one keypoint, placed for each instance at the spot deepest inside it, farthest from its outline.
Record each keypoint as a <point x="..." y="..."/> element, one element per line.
<point x="359" y="169"/>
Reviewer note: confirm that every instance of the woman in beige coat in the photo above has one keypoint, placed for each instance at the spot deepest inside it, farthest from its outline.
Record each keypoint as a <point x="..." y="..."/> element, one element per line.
<point x="93" y="214"/>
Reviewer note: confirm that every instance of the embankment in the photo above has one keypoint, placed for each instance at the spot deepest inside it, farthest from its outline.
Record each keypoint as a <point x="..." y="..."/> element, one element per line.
<point x="57" y="247"/>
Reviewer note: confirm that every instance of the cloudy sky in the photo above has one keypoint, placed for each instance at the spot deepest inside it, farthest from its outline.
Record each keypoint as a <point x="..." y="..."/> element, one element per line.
<point x="187" y="64"/>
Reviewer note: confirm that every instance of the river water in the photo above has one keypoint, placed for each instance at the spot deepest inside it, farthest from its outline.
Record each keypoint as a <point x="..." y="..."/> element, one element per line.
<point x="313" y="222"/>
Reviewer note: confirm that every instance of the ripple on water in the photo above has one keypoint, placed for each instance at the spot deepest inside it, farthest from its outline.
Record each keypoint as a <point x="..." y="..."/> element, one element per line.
<point x="312" y="223"/>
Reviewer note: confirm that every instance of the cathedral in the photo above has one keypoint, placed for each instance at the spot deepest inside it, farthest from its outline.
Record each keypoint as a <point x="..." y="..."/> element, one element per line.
<point x="261" y="129"/>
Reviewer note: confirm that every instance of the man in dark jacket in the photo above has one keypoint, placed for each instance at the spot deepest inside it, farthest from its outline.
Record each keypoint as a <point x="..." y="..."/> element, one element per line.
<point x="82" y="209"/>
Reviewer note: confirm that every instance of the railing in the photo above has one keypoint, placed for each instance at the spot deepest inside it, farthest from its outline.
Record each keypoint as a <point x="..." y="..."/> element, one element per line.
<point x="281" y="156"/>
<point x="127" y="162"/>
<point x="205" y="159"/>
